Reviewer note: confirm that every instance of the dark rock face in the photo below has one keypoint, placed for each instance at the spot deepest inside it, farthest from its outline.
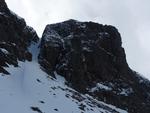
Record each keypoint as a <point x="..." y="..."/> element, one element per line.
<point x="91" y="58"/>
<point x="3" y="6"/>
<point x="15" y="37"/>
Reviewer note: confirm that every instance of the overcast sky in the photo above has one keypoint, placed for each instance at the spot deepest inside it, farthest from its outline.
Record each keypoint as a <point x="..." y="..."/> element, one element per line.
<point x="131" y="17"/>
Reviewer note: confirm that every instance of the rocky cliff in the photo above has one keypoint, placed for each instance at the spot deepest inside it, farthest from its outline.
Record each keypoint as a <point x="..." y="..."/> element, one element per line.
<point x="15" y="37"/>
<point x="85" y="65"/>
<point x="91" y="58"/>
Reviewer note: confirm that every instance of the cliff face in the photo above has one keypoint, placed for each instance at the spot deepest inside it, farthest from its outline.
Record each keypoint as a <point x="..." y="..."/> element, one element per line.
<point x="91" y="58"/>
<point x="88" y="50"/>
<point x="15" y="37"/>
<point x="88" y="55"/>
<point x="27" y="88"/>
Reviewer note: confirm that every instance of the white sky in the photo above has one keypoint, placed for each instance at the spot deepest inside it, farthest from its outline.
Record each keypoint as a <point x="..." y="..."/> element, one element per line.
<point x="131" y="17"/>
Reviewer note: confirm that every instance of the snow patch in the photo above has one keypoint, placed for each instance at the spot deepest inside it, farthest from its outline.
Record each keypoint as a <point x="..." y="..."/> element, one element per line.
<point x="99" y="87"/>
<point x="126" y="92"/>
<point x="4" y="50"/>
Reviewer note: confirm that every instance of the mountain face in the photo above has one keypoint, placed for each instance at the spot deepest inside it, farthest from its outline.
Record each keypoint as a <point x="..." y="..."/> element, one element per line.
<point x="92" y="60"/>
<point x="77" y="67"/>
<point x="15" y="37"/>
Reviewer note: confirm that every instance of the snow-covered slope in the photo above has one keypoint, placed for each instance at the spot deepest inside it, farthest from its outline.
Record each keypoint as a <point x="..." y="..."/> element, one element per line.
<point x="28" y="89"/>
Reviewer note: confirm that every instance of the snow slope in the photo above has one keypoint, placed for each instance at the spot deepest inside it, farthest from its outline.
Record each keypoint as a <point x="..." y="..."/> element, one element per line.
<point x="28" y="89"/>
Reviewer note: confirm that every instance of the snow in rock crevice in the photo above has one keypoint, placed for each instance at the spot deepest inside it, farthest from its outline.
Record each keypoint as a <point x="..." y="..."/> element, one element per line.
<point x="100" y="86"/>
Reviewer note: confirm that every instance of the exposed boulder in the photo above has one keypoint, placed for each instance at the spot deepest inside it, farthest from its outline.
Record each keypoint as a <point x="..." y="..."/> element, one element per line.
<point x="28" y="56"/>
<point x="91" y="58"/>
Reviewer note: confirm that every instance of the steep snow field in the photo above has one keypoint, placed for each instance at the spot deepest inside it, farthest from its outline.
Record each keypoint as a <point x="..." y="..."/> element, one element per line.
<point x="28" y="89"/>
